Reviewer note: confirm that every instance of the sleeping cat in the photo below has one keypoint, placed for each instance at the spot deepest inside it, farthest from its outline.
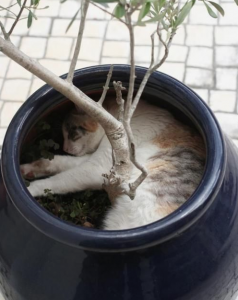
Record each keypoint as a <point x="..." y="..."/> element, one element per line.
<point x="173" y="154"/>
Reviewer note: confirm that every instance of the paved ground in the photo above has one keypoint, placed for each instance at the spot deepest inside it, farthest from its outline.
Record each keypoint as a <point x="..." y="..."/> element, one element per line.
<point x="204" y="55"/>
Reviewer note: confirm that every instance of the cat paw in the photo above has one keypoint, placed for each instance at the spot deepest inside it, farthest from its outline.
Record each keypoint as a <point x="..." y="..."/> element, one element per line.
<point x="35" y="189"/>
<point x="27" y="172"/>
<point x="36" y="169"/>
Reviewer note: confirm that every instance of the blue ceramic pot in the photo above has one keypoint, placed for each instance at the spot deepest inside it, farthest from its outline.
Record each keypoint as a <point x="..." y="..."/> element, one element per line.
<point x="191" y="254"/>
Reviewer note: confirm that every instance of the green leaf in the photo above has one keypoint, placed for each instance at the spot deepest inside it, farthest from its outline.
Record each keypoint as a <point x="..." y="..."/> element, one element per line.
<point x="155" y="5"/>
<point x="73" y="214"/>
<point x="19" y="2"/>
<point x="43" y="144"/>
<point x="141" y="24"/>
<point x="35" y="2"/>
<point x="27" y="183"/>
<point x="42" y="125"/>
<point x="51" y="143"/>
<point x="157" y="18"/>
<point x="218" y="7"/>
<point x="50" y="156"/>
<point x="161" y="3"/>
<point x="44" y="7"/>
<point x="34" y="16"/>
<point x="56" y="146"/>
<point x="153" y="13"/>
<point x="144" y="11"/>
<point x="183" y="13"/>
<point x="47" y="191"/>
<point x="236" y="1"/>
<point x="72" y="21"/>
<point x="119" y="11"/>
<point x="104" y="5"/>
<point x="210" y="11"/>
<point x="29" y="19"/>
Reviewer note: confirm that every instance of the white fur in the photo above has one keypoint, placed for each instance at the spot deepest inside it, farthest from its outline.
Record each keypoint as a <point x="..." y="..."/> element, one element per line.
<point x="85" y="172"/>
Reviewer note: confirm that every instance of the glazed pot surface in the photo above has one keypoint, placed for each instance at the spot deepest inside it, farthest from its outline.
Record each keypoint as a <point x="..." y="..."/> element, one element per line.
<point x="191" y="254"/>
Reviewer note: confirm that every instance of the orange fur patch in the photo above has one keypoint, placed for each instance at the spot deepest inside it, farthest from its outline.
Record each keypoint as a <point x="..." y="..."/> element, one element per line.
<point x="90" y="125"/>
<point x="167" y="208"/>
<point x="178" y="135"/>
<point x="159" y="164"/>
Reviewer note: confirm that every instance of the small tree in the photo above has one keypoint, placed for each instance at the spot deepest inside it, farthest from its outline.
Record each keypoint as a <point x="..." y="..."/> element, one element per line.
<point x="167" y="15"/>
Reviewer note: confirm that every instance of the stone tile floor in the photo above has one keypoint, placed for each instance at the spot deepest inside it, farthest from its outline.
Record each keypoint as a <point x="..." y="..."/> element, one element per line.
<point x="204" y="55"/>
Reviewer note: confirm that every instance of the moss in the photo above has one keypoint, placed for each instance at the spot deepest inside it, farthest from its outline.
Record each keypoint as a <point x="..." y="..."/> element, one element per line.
<point x="86" y="208"/>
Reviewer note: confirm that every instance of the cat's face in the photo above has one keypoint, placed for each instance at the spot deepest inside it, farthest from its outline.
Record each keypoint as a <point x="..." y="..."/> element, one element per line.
<point x="81" y="133"/>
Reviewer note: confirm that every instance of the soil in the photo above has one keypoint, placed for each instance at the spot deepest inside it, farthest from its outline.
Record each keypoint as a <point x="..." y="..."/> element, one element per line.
<point x="86" y="208"/>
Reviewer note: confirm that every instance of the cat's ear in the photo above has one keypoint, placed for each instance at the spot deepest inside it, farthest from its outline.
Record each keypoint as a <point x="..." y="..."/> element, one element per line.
<point x="90" y="125"/>
<point x="79" y="110"/>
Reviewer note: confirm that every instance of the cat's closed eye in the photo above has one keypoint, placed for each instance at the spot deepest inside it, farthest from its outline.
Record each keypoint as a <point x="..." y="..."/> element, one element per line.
<point x="74" y="128"/>
<point x="81" y="128"/>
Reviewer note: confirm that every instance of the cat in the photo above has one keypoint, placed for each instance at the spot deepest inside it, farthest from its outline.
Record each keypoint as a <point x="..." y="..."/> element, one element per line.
<point x="173" y="153"/>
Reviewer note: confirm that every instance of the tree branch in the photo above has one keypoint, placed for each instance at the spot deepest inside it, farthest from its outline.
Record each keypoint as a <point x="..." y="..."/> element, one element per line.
<point x="17" y="18"/>
<point x="106" y="87"/>
<point x="133" y="186"/>
<point x="113" y="128"/>
<point x="166" y="46"/>
<point x="132" y="70"/>
<point x="5" y="34"/>
<point x="152" y="49"/>
<point x="108" y="12"/>
<point x="79" y="40"/>
<point x="120" y="101"/>
<point x="59" y="84"/>
<point x="126" y="118"/>
<point x="151" y="70"/>
<point x="8" y="10"/>
<point x="136" y="7"/>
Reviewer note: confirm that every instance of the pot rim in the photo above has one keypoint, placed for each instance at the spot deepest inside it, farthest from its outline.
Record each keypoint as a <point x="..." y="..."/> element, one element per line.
<point x="115" y="240"/>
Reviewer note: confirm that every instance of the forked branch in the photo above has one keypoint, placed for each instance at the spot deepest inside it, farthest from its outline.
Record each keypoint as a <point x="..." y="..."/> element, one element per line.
<point x="127" y="114"/>
<point x="8" y="9"/>
<point x="152" y="69"/>
<point x="17" y="18"/>
<point x="131" y="109"/>
<point x="166" y="47"/>
<point x="107" y="12"/>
